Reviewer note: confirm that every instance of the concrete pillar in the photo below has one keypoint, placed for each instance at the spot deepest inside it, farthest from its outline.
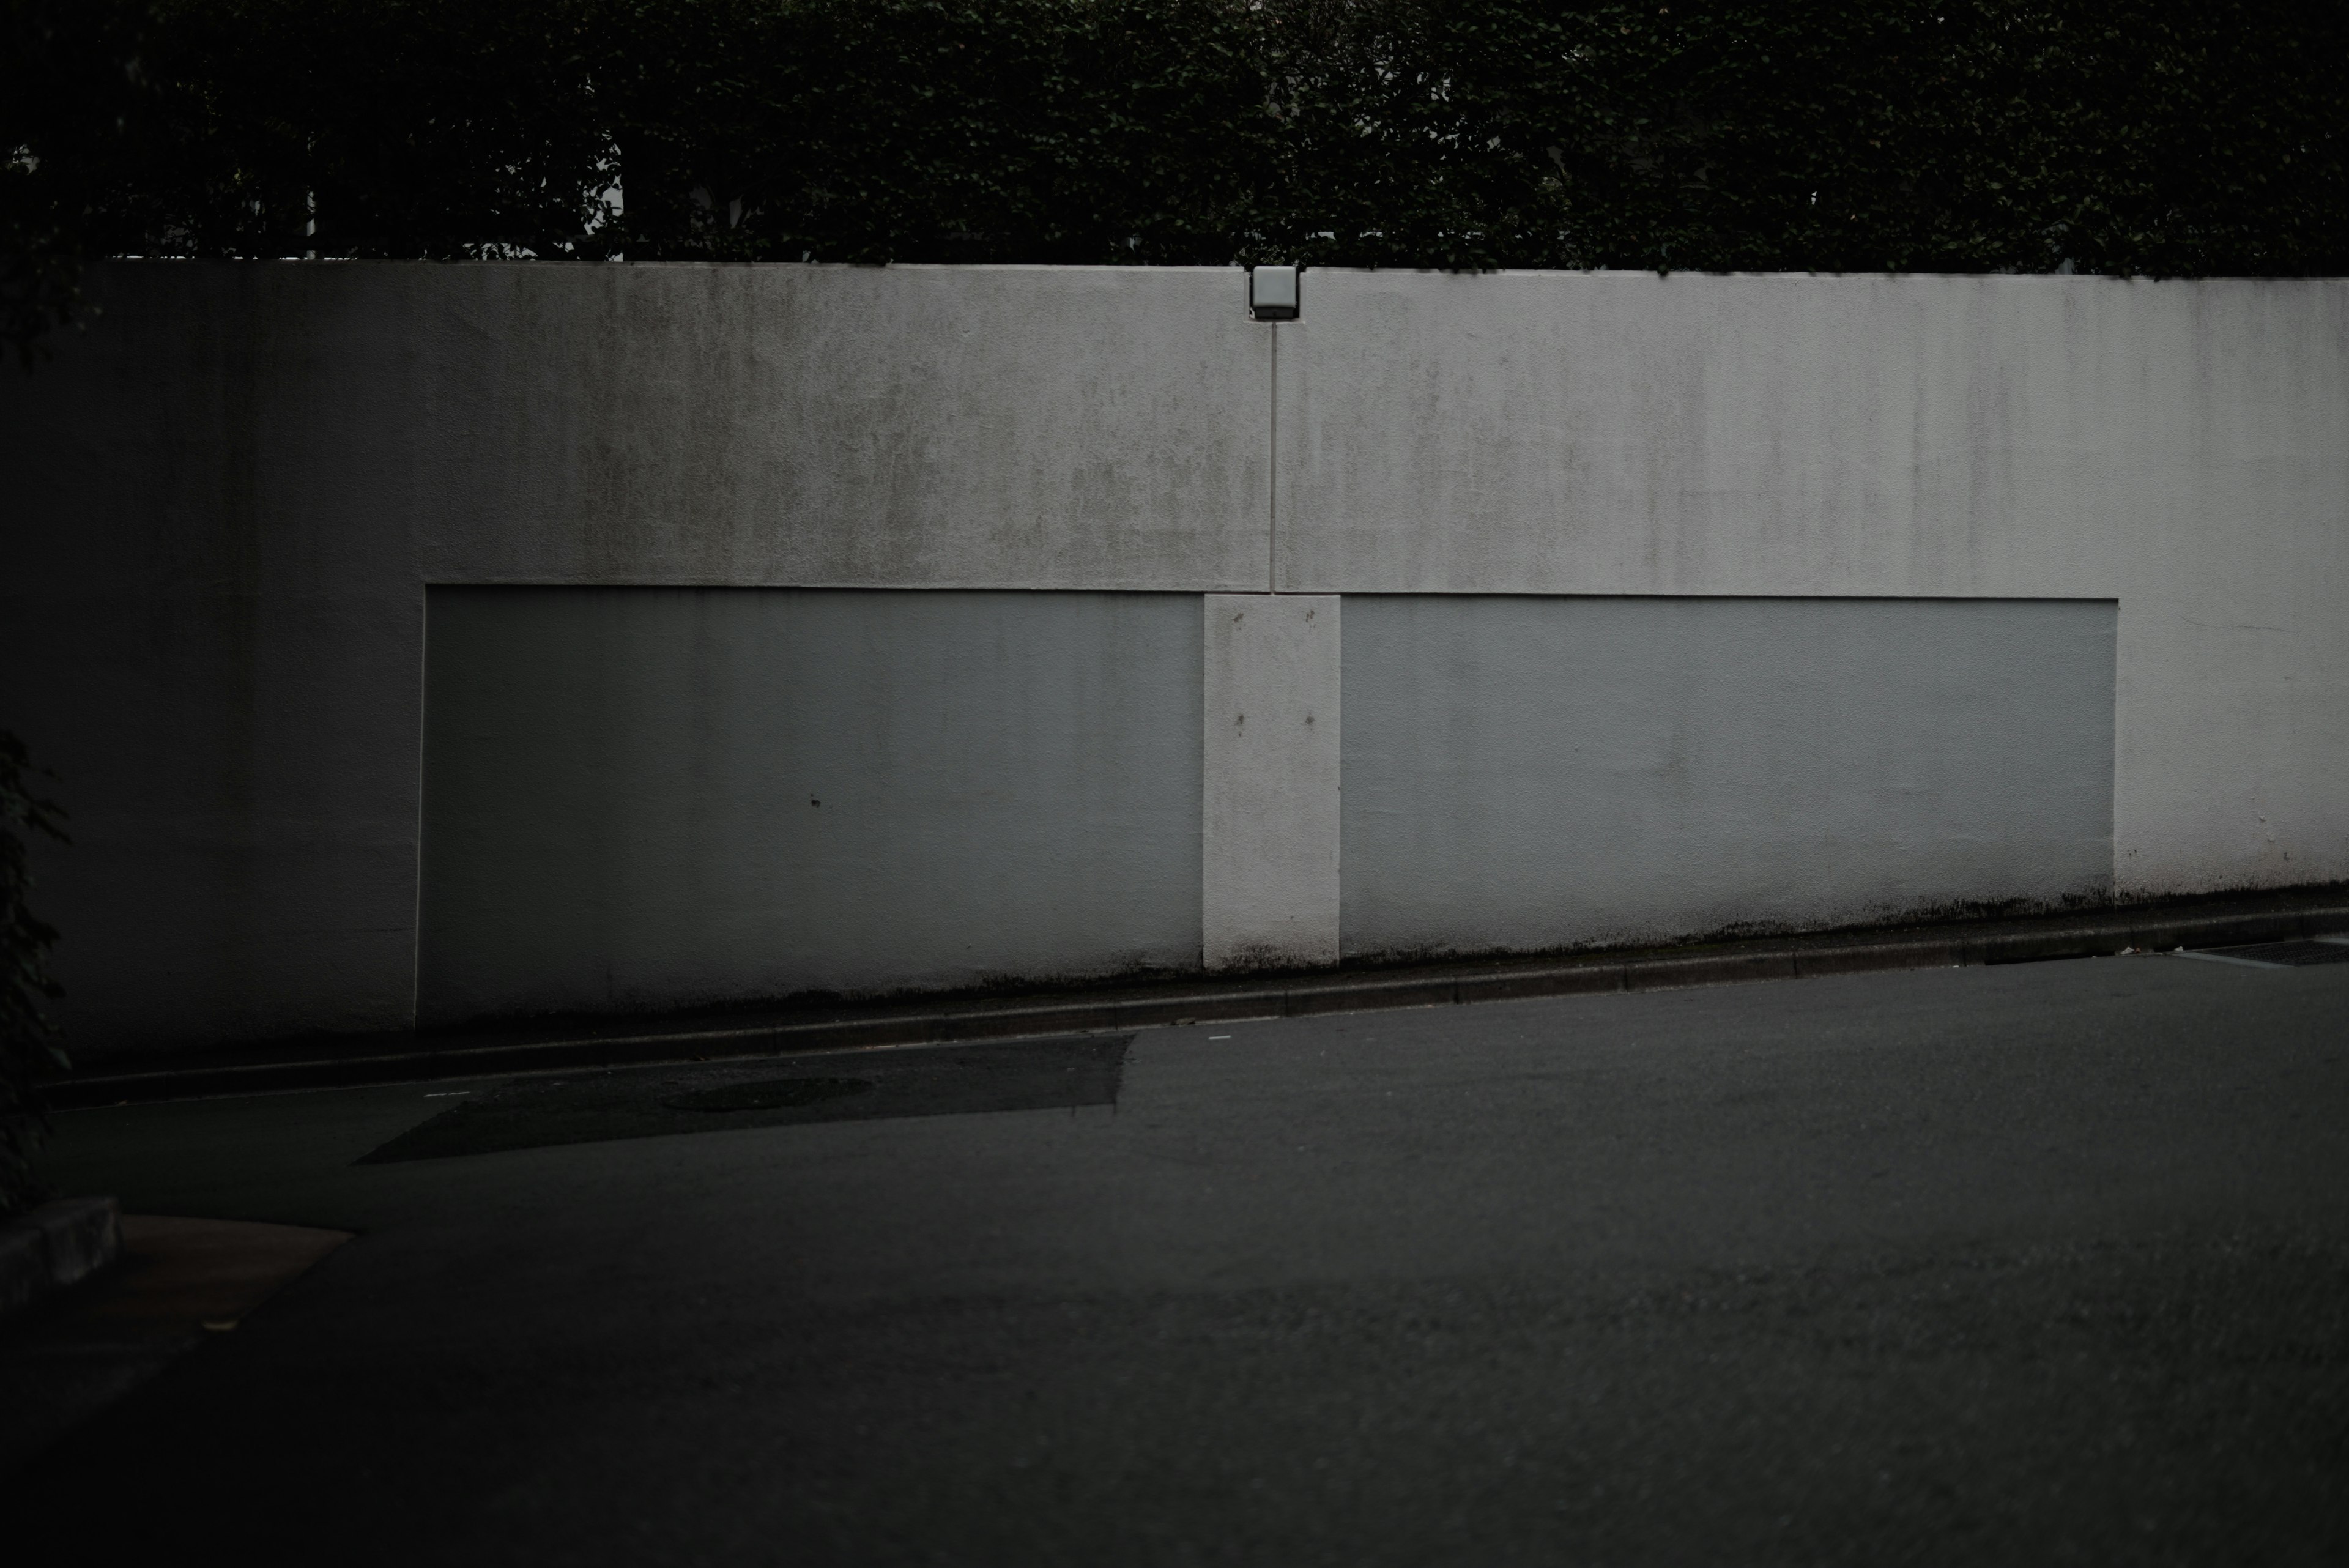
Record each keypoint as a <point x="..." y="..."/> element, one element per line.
<point x="1269" y="823"/>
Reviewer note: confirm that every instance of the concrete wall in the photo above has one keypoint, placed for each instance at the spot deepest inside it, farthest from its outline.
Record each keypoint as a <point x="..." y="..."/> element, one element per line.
<point x="1271" y="757"/>
<point x="2182" y="448"/>
<point x="228" y="497"/>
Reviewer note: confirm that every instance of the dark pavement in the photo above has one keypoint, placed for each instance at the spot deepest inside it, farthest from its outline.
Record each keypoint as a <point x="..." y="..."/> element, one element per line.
<point x="2040" y="1263"/>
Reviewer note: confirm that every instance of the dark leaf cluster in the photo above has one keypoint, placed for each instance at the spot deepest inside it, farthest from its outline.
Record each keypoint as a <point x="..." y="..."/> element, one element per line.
<point x="29" y="1052"/>
<point x="71" y="86"/>
<point x="2133" y="137"/>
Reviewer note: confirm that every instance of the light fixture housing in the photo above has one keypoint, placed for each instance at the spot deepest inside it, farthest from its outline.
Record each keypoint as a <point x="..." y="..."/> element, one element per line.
<point x="1272" y="293"/>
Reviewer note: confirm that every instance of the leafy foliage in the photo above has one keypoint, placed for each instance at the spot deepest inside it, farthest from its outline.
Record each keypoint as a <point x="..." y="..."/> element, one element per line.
<point x="29" y="1046"/>
<point x="2164" y="136"/>
<point x="70" y="81"/>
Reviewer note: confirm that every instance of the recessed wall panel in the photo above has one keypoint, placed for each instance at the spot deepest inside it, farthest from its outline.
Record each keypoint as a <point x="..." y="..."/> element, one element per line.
<point x="1524" y="773"/>
<point x="646" y="798"/>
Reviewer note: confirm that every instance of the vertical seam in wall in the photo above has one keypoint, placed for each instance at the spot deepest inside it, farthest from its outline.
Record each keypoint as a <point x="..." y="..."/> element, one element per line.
<point x="2113" y="805"/>
<point x="423" y="719"/>
<point x="1272" y="473"/>
<point x="1208" y="713"/>
<point x="1338" y="722"/>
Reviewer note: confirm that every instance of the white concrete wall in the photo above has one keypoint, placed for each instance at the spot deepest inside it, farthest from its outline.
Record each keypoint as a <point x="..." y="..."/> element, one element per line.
<point x="1271" y="757"/>
<point x="228" y="498"/>
<point x="2181" y="447"/>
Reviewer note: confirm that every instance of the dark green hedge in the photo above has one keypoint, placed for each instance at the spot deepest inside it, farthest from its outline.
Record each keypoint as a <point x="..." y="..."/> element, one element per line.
<point x="29" y="1052"/>
<point x="2144" y="137"/>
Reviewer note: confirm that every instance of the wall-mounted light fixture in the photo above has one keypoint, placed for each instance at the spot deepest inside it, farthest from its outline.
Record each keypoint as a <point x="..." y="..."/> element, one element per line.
<point x="1272" y="293"/>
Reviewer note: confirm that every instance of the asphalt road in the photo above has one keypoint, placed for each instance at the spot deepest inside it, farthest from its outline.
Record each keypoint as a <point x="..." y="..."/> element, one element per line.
<point x="2041" y="1263"/>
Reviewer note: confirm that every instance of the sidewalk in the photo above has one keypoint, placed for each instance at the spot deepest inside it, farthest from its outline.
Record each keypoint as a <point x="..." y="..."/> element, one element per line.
<point x="635" y="1040"/>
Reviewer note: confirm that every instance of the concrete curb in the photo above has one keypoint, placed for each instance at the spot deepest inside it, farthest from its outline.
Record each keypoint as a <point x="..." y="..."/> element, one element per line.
<point x="54" y="1246"/>
<point x="2145" y="928"/>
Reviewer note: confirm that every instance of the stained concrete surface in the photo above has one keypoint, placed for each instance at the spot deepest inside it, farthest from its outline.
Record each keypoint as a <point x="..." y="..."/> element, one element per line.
<point x="1268" y="823"/>
<point x="235" y="487"/>
<point x="2039" y="1263"/>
